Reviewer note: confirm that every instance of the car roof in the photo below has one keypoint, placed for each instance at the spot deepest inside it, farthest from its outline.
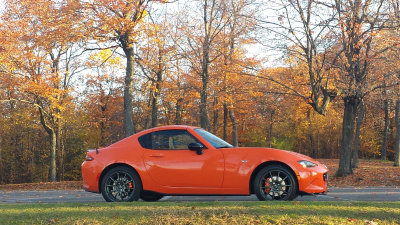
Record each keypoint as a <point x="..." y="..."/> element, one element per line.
<point x="168" y="127"/>
<point x="174" y="127"/>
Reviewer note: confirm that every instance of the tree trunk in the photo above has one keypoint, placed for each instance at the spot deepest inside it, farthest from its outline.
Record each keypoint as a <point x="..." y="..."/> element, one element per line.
<point x="204" y="120"/>
<point x="350" y="110"/>
<point x="311" y="135"/>
<point x="397" y="146"/>
<point x="102" y="134"/>
<point x="360" y="118"/>
<point x="312" y="145"/>
<point x="270" y="130"/>
<point x="1" y="160"/>
<point x="178" y="116"/>
<point x="154" y="109"/>
<point x="61" y="150"/>
<point x="53" y="147"/>
<point x="234" y="128"/>
<point x="154" y="103"/>
<point x="225" y="122"/>
<point x="128" y="113"/>
<point x="385" y="130"/>
<point x="216" y="115"/>
<point x="147" y="121"/>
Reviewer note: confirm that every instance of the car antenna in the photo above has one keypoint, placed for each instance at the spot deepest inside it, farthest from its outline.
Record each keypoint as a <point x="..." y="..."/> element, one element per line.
<point x="97" y="151"/>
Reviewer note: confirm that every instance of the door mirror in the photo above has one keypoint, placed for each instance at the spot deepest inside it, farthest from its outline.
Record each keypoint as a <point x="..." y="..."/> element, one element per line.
<point x="196" y="147"/>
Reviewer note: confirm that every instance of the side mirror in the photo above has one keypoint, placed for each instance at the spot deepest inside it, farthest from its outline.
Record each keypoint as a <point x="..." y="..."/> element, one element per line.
<point x="196" y="147"/>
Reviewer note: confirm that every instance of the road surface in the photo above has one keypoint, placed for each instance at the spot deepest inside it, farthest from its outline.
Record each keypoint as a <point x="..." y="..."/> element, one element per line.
<point x="334" y="194"/>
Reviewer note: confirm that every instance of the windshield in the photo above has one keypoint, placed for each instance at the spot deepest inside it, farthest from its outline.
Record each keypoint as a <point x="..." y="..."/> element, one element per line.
<point x="212" y="139"/>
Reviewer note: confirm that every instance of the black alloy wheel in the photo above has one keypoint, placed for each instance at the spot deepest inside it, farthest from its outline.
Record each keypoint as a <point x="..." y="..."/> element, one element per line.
<point x="275" y="182"/>
<point x="121" y="184"/>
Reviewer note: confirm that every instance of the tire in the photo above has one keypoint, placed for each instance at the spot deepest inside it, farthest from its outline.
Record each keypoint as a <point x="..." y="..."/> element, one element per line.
<point x="149" y="196"/>
<point x="121" y="184"/>
<point x="275" y="182"/>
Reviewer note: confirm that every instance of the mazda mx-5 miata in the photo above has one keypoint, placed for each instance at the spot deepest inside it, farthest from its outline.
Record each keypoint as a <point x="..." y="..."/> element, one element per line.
<point x="186" y="160"/>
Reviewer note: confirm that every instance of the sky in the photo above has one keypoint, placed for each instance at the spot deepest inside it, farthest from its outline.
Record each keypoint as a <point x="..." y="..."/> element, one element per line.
<point x="2" y="5"/>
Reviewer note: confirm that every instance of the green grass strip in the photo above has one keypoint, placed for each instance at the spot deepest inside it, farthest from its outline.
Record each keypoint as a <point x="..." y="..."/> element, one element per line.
<point x="203" y="213"/>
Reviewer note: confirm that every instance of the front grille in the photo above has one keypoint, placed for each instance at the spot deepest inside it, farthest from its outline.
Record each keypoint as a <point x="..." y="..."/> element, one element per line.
<point x="325" y="176"/>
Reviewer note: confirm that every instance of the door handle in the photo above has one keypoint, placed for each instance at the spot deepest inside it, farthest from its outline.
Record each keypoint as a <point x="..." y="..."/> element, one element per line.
<point x="156" y="155"/>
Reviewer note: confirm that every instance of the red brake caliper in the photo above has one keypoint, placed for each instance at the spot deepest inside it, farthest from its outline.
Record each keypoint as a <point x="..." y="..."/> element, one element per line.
<point x="130" y="185"/>
<point x="267" y="188"/>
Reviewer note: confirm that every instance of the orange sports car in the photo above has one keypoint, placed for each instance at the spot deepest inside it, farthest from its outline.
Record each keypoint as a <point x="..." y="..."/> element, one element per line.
<point x="185" y="160"/>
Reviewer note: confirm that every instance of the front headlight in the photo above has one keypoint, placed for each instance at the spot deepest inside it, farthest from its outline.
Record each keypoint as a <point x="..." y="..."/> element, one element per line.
<point x="306" y="163"/>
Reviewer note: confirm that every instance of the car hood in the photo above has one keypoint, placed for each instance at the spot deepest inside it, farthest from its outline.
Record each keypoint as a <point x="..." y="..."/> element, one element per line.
<point x="274" y="150"/>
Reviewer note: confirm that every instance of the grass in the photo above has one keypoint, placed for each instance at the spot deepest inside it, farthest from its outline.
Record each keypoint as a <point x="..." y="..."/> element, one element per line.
<point x="203" y="213"/>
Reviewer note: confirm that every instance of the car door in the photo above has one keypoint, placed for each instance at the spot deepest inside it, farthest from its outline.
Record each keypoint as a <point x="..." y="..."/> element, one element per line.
<point x="170" y="163"/>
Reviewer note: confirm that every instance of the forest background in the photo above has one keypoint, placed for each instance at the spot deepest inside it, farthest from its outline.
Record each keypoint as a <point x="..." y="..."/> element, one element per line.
<point x="316" y="77"/>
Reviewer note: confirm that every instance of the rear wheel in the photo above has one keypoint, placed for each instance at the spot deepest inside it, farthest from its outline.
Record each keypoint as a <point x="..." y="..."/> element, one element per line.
<point x="121" y="184"/>
<point x="149" y="196"/>
<point x="275" y="182"/>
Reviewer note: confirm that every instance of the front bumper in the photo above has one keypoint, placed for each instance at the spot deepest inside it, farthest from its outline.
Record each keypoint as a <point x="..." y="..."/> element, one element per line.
<point x="313" y="181"/>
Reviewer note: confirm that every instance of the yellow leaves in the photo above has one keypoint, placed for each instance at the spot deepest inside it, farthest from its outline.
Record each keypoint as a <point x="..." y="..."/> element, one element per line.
<point x="105" y="58"/>
<point x="144" y="14"/>
<point x="113" y="19"/>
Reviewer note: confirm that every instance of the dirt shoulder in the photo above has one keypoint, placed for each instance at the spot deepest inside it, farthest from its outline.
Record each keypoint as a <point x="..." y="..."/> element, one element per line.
<point x="43" y="186"/>
<point x="371" y="173"/>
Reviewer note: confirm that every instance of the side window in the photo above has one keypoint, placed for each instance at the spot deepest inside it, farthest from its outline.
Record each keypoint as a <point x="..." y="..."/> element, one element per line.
<point x="145" y="141"/>
<point x="181" y="141"/>
<point x="167" y="140"/>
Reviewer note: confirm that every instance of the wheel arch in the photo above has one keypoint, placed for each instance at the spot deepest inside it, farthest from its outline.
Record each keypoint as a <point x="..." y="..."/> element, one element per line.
<point x="265" y="164"/>
<point x="114" y="165"/>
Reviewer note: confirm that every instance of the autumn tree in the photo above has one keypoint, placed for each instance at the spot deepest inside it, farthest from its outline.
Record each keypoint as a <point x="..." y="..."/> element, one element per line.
<point x="201" y="45"/>
<point x="103" y="97"/>
<point x="234" y="60"/>
<point x="387" y="66"/>
<point x="335" y="41"/>
<point x="117" y="21"/>
<point x="41" y="47"/>
<point x="359" y="22"/>
<point x="154" y="58"/>
<point x="302" y="29"/>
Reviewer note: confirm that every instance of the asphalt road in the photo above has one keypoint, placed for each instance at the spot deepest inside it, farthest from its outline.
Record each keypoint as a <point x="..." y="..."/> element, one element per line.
<point x="334" y="194"/>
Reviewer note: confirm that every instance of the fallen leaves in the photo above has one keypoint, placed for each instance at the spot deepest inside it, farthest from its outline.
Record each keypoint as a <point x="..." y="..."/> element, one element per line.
<point x="369" y="173"/>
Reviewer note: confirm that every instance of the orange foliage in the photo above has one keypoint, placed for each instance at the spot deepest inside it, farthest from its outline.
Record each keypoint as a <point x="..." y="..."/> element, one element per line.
<point x="44" y="47"/>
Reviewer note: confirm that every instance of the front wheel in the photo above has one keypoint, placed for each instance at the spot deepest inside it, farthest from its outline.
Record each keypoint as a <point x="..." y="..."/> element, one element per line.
<point x="275" y="182"/>
<point x="121" y="184"/>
